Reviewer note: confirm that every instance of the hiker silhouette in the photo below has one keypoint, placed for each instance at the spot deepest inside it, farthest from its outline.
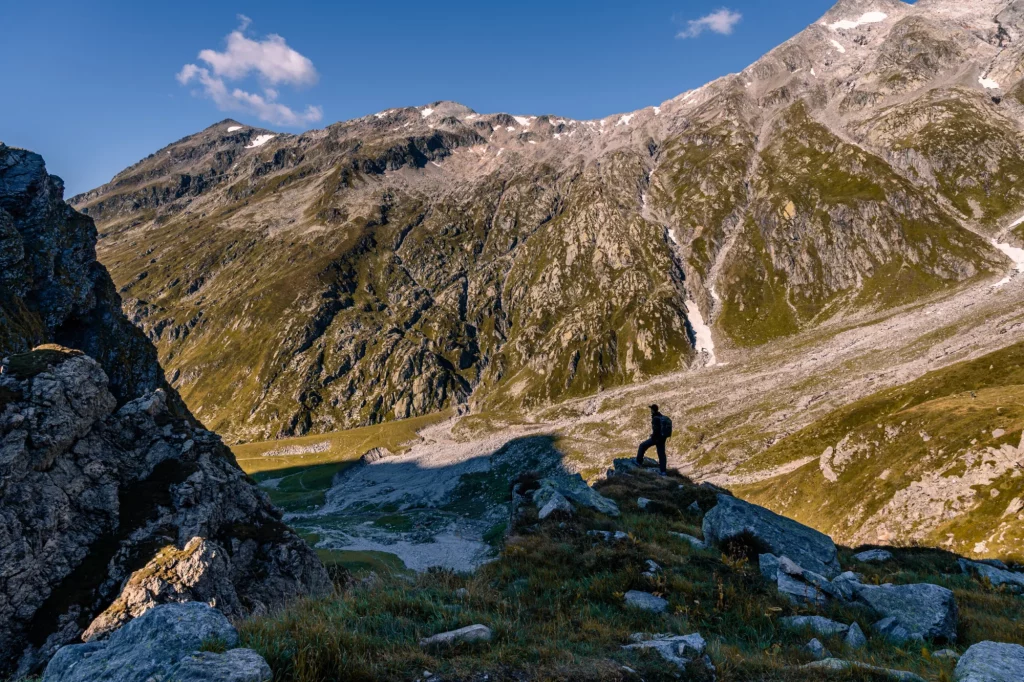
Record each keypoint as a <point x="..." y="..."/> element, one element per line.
<point x="661" y="430"/>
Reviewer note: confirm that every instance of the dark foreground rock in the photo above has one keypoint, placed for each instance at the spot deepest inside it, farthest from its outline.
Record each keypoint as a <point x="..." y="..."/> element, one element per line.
<point x="163" y="644"/>
<point x="106" y="512"/>
<point x="735" y="519"/>
<point x="113" y="498"/>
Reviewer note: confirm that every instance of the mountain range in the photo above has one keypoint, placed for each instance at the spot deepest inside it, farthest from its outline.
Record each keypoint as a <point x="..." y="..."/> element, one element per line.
<point x="427" y="257"/>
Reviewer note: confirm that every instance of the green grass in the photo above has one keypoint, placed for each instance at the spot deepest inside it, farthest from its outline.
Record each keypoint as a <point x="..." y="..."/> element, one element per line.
<point x="553" y="597"/>
<point x="905" y="434"/>
<point x="362" y="562"/>
<point x="343" y="447"/>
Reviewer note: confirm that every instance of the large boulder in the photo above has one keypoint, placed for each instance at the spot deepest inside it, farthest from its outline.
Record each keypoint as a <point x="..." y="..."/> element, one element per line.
<point x="991" y="662"/>
<point x="732" y="518"/>
<point x="921" y="611"/>
<point x="162" y="644"/>
<point x="998" y="577"/>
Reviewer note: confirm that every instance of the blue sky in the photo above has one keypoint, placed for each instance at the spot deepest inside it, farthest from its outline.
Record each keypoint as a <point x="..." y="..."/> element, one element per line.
<point x="96" y="86"/>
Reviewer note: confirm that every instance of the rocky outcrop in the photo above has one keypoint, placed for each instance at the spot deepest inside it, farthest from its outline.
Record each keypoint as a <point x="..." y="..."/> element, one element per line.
<point x="734" y="519"/>
<point x="113" y="498"/>
<point x="108" y="511"/>
<point x="52" y="289"/>
<point x="164" y="644"/>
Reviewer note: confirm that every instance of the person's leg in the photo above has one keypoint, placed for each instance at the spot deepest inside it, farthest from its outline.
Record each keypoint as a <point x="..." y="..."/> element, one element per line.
<point x="662" y="457"/>
<point x="642" y="449"/>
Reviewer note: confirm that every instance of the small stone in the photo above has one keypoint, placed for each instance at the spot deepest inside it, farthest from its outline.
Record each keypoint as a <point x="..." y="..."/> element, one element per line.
<point x="816" y="649"/>
<point x="642" y="502"/>
<point x="769" y="565"/>
<point x="819" y="625"/>
<point x="646" y="601"/>
<point x="676" y="649"/>
<point x="694" y="508"/>
<point x="945" y="653"/>
<point x="556" y="504"/>
<point x="467" y="635"/>
<point x="652" y="566"/>
<point x="846" y="584"/>
<point x="873" y="556"/>
<point x="855" y="638"/>
<point x="696" y="543"/>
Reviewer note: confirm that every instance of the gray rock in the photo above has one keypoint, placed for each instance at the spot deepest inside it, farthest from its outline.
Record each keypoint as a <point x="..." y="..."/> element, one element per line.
<point x="846" y="584"/>
<point x="891" y="629"/>
<point x="835" y="664"/>
<point x="998" y="577"/>
<point x="653" y="568"/>
<point x="799" y="592"/>
<point x="164" y="639"/>
<point x="694" y="508"/>
<point x="676" y="649"/>
<point x="873" y="556"/>
<point x="917" y="611"/>
<point x="991" y="662"/>
<point x="236" y="665"/>
<point x="607" y="535"/>
<point x="642" y="502"/>
<point x="769" y="566"/>
<point x="556" y="503"/>
<point x="646" y="601"/>
<point x="945" y="653"/>
<point x="467" y="635"/>
<point x="819" y="625"/>
<point x="781" y="536"/>
<point x="816" y="649"/>
<point x="574" y="488"/>
<point x="696" y="543"/>
<point x="854" y="638"/>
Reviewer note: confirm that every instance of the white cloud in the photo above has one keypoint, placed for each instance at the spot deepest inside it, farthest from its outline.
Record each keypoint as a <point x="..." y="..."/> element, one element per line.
<point x="270" y="61"/>
<point x="722" y="21"/>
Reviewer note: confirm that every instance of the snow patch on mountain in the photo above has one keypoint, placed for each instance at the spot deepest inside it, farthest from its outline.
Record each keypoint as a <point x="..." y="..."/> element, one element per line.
<point x="625" y="119"/>
<point x="703" y="342"/>
<point x="426" y="112"/>
<point x="524" y="121"/>
<point x="232" y="129"/>
<point x="866" y="18"/>
<point x="1013" y="253"/>
<point x="836" y="44"/>
<point x="260" y="141"/>
<point x="988" y="83"/>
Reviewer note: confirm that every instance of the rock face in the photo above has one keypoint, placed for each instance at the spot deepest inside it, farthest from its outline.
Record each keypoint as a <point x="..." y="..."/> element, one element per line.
<point x="52" y="289"/>
<point x="920" y="611"/>
<point x="112" y="497"/>
<point x="163" y="644"/>
<point x="991" y="662"/>
<point x="732" y="518"/>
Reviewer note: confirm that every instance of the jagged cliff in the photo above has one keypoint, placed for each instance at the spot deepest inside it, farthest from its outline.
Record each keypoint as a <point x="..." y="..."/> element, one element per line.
<point x="112" y="497"/>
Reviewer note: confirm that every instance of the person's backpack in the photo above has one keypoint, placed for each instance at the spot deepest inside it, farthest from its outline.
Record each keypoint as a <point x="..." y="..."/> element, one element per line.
<point x="666" y="426"/>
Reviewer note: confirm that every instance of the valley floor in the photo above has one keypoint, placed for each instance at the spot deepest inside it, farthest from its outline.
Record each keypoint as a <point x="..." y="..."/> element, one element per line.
<point x="731" y="420"/>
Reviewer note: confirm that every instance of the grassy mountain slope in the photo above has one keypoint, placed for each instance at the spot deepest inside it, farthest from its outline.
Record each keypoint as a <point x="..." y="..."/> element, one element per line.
<point x="936" y="462"/>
